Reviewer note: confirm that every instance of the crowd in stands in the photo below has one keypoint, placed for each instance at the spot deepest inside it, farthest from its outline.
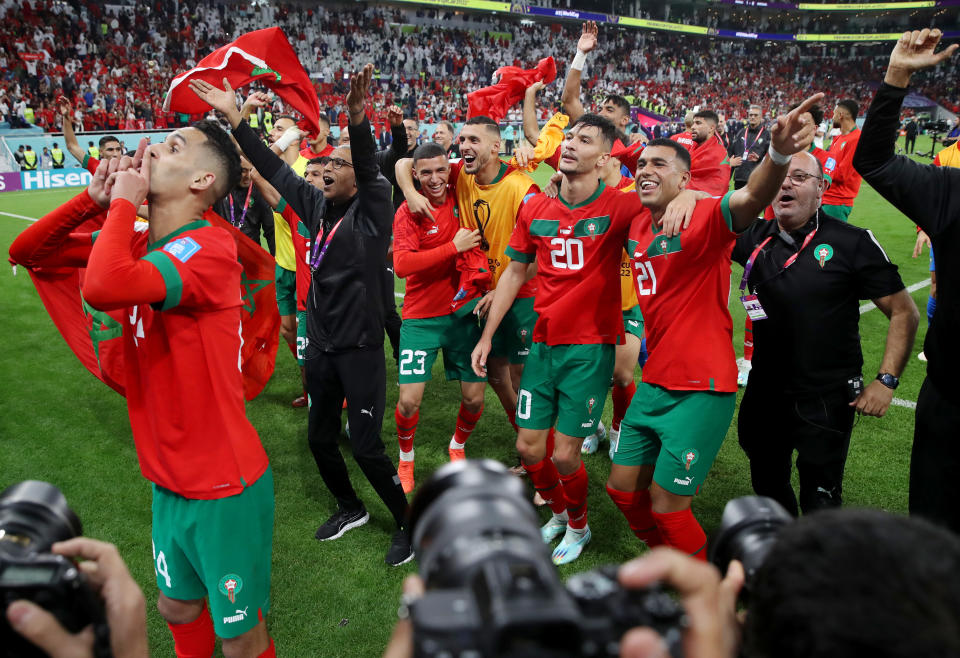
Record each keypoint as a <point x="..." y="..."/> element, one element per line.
<point x="114" y="66"/>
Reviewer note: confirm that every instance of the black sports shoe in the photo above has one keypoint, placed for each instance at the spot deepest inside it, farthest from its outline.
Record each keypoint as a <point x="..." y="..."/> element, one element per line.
<point x="400" y="551"/>
<point x="340" y="522"/>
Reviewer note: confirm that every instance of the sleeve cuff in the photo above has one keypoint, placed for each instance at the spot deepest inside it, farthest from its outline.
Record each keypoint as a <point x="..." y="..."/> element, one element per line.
<point x="281" y="205"/>
<point x="725" y="210"/>
<point x="519" y="256"/>
<point x="171" y="278"/>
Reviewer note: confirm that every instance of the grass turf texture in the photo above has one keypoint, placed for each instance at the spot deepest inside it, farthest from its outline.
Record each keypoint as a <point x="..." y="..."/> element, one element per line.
<point x="58" y="423"/>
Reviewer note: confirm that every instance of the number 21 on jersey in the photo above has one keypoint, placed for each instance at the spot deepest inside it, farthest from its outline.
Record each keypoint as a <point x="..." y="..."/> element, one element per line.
<point x="646" y="278"/>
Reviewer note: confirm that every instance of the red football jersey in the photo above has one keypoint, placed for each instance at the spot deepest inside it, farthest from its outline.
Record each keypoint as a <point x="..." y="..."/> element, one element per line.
<point x="683" y="284"/>
<point x="307" y="152"/>
<point x="839" y="166"/>
<point x="90" y="163"/>
<point x="685" y="139"/>
<point x="429" y="291"/>
<point x="184" y="387"/>
<point x="301" y="247"/>
<point x="577" y="250"/>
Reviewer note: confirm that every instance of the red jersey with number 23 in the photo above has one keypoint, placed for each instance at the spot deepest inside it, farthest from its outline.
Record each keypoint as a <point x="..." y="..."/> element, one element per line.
<point x="184" y="387"/>
<point x="683" y="284"/>
<point x="577" y="250"/>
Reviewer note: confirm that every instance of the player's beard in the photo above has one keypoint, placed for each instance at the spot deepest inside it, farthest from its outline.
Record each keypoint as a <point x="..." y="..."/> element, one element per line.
<point x="836" y="123"/>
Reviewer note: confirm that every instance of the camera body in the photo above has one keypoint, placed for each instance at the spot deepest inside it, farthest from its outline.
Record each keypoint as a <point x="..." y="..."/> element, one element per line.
<point x="33" y="516"/>
<point x="492" y="589"/>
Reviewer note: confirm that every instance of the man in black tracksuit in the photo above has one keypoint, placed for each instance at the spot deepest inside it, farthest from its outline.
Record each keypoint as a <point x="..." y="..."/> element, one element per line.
<point x="930" y="197"/>
<point x="350" y="222"/>
<point x="748" y="146"/>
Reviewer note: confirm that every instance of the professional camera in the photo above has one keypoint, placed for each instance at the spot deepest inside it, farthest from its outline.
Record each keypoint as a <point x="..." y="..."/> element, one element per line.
<point x="748" y="530"/>
<point x="33" y="516"/>
<point x="491" y="589"/>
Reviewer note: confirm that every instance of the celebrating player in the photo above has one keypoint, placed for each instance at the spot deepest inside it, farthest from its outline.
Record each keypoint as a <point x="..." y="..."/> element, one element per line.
<point x="575" y="242"/>
<point x="212" y="483"/>
<point x="680" y="414"/>
<point x="425" y="253"/>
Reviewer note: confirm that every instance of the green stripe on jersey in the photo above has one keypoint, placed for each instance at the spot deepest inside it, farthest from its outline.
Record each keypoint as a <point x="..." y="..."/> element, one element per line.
<point x="662" y="245"/>
<point x="171" y="278"/>
<point x="545" y="228"/>
<point x="725" y="210"/>
<point x="591" y="227"/>
<point x="519" y="256"/>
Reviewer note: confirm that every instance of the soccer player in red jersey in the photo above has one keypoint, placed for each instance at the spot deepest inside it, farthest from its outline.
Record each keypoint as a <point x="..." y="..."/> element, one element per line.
<point x="839" y="197"/>
<point x="319" y="146"/>
<point x="212" y="483"/>
<point x="574" y="243"/>
<point x="683" y="407"/>
<point x="109" y="146"/>
<point x="425" y="253"/>
<point x="710" y="167"/>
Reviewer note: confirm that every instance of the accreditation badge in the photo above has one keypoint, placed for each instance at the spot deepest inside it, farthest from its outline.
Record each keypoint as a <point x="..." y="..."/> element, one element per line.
<point x="753" y="307"/>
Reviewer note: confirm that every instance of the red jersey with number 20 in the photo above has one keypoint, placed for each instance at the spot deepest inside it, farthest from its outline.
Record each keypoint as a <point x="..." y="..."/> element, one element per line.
<point x="184" y="387"/>
<point x="577" y="250"/>
<point x="683" y="284"/>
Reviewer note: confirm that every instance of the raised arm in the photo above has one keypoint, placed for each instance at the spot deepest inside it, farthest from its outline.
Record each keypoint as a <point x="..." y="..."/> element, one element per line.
<point x="531" y="129"/>
<point x="69" y="137"/>
<point x="373" y="189"/>
<point x="570" y="98"/>
<point x="928" y="195"/>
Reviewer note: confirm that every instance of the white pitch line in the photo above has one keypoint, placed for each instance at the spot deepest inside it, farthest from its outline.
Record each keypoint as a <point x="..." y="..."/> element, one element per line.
<point x="869" y="306"/>
<point x="398" y="295"/>
<point x="10" y="214"/>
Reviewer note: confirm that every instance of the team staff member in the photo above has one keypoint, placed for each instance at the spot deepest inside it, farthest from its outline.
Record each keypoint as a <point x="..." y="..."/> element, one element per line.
<point x="748" y="146"/>
<point x="680" y="414"/>
<point x="808" y="272"/>
<point x="930" y="197"/>
<point x="245" y="208"/>
<point x="349" y="222"/>
<point x="839" y="197"/>
<point x="212" y="484"/>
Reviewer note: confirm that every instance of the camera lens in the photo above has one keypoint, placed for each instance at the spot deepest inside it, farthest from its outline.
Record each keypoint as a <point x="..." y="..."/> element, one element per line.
<point x="748" y="529"/>
<point x="33" y="516"/>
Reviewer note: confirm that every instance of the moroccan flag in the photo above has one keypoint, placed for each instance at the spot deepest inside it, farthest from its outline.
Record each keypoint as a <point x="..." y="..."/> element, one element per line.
<point x="627" y="154"/>
<point x="263" y="55"/>
<point x="494" y="101"/>
<point x="710" y="167"/>
<point x="90" y="333"/>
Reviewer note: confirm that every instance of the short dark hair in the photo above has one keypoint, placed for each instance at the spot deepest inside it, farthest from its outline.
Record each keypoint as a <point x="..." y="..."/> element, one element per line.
<point x="285" y="116"/>
<point x="54" y="145"/>
<point x="428" y="150"/>
<point x="315" y="161"/>
<point x="106" y="140"/>
<point x="683" y="155"/>
<point x="324" y="119"/>
<point x="619" y="101"/>
<point x="607" y="130"/>
<point x="225" y="155"/>
<point x="816" y="112"/>
<point x="709" y="115"/>
<point x="481" y="120"/>
<point x="850" y="106"/>
<point x="857" y="583"/>
<point x="414" y="119"/>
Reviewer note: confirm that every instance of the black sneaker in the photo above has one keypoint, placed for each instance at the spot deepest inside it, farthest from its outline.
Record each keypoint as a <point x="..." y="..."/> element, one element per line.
<point x="400" y="551"/>
<point x="339" y="523"/>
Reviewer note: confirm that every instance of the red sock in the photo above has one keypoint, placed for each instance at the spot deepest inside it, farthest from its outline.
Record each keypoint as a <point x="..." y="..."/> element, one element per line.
<point x="546" y="480"/>
<point x="293" y="349"/>
<point x="748" y="340"/>
<point x="636" y="507"/>
<point x="621" y="400"/>
<point x="270" y="651"/>
<point x="406" y="429"/>
<point x="681" y="531"/>
<point x="512" y="417"/>
<point x="466" y="422"/>
<point x="551" y="441"/>
<point x="196" y="638"/>
<point x="575" y="495"/>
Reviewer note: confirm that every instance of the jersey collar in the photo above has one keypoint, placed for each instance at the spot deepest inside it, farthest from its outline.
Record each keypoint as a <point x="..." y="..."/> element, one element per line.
<point x="183" y="229"/>
<point x="593" y="197"/>
<point x="500" y="174"/>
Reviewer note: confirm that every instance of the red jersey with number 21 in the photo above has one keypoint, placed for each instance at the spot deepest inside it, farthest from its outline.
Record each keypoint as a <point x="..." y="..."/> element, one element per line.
<point x="577" y="250"/>
<point x="683" y="284"/>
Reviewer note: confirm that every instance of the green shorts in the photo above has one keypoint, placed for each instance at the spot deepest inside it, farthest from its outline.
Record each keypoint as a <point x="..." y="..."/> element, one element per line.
<point x="633" y="321"/>
<point x="515" y="334"/>
<point x="838" y="212"/>
<point x="566" y="383"/>
<point x="286" y="291"/>
<point x="301" y="337"/>
<point x="679" y="431"/>
<point x="421" y="338"/>
<point x="219" y="549"/>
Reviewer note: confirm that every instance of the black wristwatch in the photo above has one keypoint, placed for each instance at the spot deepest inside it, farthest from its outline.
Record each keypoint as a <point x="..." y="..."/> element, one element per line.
<point x="888" y="380"/>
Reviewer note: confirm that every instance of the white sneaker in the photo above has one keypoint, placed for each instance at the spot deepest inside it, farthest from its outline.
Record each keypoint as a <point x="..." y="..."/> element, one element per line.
<point x="922" y="357"/>
<point x="572" y="545"/>
<point x="743" y="372"/>
<point x="614" y="441"/>
<point x="592" y="443"/>
<point x="553" y="528"/>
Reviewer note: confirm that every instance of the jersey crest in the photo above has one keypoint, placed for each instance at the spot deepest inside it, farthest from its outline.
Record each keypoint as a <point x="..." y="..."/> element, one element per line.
<point x="662" y="246"/>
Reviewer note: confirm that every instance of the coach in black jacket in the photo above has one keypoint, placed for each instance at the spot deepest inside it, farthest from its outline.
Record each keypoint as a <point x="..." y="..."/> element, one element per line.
<point x="930" y="197"/>
<point x="350" y="223"/>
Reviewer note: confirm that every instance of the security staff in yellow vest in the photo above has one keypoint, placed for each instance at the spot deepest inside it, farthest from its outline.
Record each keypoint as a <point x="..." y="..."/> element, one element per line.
<point x="57" y="155"/>
<point x="29" y="159"/>
<point x="93" y="150"/>
<point x="255" y="121"/>
<point x="267" y="121"/>
<point x="29" y="116"/>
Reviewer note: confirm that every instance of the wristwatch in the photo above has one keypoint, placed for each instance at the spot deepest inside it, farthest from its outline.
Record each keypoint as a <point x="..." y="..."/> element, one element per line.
<point x="888" y="380"/>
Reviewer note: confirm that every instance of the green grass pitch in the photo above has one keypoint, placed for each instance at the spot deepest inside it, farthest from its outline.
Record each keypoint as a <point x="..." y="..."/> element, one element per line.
<point x="58" y="423"/>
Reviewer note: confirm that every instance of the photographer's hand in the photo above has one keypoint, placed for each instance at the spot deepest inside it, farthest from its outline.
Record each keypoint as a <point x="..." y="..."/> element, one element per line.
<point x="710" y="604"/>
<point x="401" y="640"/>
<point x="123" y="601"/>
